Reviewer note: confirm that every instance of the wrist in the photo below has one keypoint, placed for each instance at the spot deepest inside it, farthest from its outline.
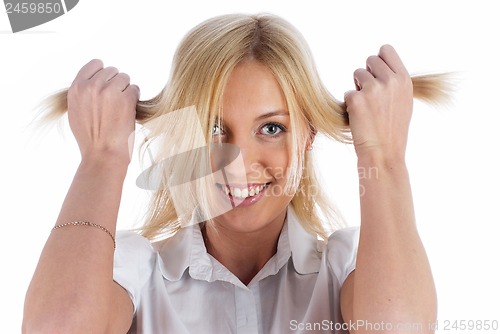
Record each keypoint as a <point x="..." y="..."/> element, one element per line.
<point x="108" y="165"/>
<point x="378" y="162"/>
<point x="106" y="158"/>
<point x="381" y="155"/>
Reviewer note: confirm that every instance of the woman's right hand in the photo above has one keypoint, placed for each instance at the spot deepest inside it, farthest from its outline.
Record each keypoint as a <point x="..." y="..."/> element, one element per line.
<point x="101" y="112"/>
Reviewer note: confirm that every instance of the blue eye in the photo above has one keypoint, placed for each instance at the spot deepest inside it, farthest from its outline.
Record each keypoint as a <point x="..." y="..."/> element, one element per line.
<point x="217" y="130"/>
<point x="272" y="129"/>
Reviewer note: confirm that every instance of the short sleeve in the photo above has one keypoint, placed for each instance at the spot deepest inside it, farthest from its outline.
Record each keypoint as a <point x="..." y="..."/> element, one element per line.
<point x="134" y="262"/>
<point x="342" y="249"/>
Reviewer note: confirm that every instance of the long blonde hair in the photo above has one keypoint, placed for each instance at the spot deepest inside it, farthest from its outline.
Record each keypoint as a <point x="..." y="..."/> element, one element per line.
<point x="200" y="69"/>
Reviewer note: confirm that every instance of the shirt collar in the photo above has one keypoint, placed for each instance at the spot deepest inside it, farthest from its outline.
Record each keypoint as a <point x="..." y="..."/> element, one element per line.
<point x="307" y="249"/>
<point x="186" y="249"/>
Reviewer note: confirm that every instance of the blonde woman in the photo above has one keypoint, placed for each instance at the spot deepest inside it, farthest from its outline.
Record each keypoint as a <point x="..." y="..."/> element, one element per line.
<point x="267" y="261"/>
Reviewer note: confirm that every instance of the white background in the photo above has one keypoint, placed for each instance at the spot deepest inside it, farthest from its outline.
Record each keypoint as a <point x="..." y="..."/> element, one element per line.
<point x="452" y="153"/>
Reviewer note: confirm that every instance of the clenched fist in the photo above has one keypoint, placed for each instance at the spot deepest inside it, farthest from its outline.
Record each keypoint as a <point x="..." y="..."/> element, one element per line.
<point x="380" y="108"/>
<point x="101" y="111"/>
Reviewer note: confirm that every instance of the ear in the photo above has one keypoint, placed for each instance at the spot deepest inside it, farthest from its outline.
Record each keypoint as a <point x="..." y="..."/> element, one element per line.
<point x="312" y="135"/>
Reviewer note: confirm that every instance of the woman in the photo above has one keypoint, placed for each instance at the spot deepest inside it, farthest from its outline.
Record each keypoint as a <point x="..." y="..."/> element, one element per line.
<point x="262" y="258"/>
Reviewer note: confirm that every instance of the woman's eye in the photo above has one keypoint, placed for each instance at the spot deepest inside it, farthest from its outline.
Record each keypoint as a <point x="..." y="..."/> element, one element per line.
<point x="217" y="130"/>
<point x="269" y="129"/>
<point x="272" y="129"/>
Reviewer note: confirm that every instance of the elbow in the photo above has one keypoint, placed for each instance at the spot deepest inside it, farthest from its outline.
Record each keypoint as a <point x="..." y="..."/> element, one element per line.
<point x="33" y="327"/>
<point x="55" y="326"/>
<point x="395" y="323"/>
<point x="58" y="318"/>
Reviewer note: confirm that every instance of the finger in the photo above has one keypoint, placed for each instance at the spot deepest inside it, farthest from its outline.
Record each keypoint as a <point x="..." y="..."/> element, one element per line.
<point x="389" y="55"/>
<point x="134" y="90"/>
<point x="362" y="78"/>
<point x="88" y="70"/>
<point x="350" y="97"/>
<point x="121" y="81"/>
<point x="106" y="74"/>
<point x="378" y="68"/>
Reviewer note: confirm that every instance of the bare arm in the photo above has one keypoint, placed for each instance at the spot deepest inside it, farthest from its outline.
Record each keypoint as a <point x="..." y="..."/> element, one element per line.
<point x="393" y="281"/>
<point x="72" y="290"/>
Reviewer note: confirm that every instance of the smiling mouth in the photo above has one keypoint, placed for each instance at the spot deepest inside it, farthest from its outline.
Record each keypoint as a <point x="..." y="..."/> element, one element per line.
<point x="243" y="192"/>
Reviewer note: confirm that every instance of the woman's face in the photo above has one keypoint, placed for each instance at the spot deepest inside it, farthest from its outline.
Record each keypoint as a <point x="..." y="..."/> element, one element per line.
<point x="255" y="119"/>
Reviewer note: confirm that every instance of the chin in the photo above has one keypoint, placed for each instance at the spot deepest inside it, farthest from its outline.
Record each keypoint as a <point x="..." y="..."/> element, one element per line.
<point x="253" y="218"/>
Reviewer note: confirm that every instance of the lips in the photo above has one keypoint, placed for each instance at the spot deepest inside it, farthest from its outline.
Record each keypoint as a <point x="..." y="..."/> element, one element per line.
<point x="242" y="192"/>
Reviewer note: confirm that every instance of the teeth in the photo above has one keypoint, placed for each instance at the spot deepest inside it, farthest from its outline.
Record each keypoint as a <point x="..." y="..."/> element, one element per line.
<point x="243" y="193"/>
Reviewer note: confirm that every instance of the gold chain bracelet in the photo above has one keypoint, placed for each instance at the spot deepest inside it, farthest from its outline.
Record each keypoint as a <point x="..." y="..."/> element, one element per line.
<point x="84" y="223"/>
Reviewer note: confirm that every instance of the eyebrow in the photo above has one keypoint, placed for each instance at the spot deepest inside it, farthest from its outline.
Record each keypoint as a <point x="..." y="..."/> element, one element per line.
<point x="273" y="113"/>
<point x="267" y="115"/>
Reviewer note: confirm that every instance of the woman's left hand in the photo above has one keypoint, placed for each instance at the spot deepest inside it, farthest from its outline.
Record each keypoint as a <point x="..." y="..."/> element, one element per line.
<point x="380" y="108"/>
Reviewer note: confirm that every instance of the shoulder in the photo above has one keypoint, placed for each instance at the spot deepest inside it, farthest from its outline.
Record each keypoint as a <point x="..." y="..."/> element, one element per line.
<point x="134" y="262"/>
<point x="341" y="251"/>
<point x="132" y="246"/>
<point x="343" y="239"/>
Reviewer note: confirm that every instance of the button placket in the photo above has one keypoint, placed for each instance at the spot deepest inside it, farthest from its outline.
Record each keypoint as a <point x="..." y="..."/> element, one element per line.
<point x="246" y="311"/>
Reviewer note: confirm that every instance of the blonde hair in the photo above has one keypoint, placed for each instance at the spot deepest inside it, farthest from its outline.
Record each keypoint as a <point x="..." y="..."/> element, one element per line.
<point x="201" y="67"/>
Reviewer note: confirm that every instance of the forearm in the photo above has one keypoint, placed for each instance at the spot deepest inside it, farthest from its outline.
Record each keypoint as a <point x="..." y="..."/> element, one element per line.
<point x="393" y="281"/>
<point x="72" y="284"/>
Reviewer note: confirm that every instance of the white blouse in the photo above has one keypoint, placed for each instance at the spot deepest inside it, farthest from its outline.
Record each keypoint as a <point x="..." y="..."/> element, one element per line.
<point x="177" y="287"/>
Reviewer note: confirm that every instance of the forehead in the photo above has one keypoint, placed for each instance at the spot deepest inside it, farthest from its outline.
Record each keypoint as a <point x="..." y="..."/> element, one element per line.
<point x="252" y="90"/>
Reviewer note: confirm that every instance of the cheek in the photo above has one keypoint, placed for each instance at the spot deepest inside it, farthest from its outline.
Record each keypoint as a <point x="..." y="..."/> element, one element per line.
<point x="277" y="158"/>
<point x="276" y="164"/>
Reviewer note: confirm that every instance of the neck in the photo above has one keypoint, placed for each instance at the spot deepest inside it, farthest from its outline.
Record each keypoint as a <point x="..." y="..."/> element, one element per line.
<point x="243" y="253"/>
